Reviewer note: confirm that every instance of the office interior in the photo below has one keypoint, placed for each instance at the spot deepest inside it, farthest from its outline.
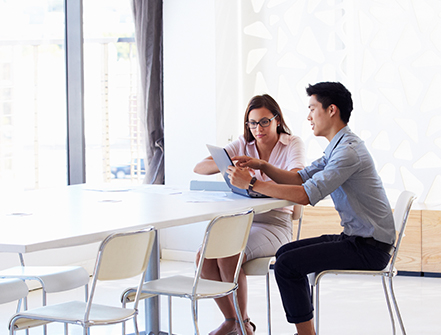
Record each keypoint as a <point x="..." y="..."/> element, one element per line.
<point x="217" y="55"/>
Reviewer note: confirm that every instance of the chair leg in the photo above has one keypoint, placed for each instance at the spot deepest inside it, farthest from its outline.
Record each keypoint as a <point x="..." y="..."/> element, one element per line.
<point x="299" y="228"/>
<point x="25" y="308"/>
<point x="123" y="324"/>
<point x="239" y="314"/>
<point x="135" y="322"/>
<point x="170" y="315"/>
<point x="316" y="307"/>
<point x="44" y="304"/>
<point x="11" y="329"/>
<point x="389" y="307"/>
<point x="268" y="302"/>
<point x="123" y="305"/>
<point x="86" y="295"/>
<point x="194" y="308"/>
<point x="397" y="310"/>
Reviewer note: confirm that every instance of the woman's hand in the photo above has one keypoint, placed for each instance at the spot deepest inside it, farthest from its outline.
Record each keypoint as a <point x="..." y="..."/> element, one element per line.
<point x="249" y="162"/>
<point x="239" y="177"/>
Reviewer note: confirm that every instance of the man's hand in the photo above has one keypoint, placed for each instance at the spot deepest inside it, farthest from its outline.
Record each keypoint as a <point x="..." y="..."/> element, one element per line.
<point x="239" y="177"/>
<point x="249" y="162"/>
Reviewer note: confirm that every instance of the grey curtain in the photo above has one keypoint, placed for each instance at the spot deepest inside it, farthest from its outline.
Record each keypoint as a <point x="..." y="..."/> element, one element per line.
<point x="148" y="28"/>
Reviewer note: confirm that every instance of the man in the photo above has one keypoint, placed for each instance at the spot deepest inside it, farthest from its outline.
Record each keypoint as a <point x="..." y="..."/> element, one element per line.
<point x="347" y="173"/>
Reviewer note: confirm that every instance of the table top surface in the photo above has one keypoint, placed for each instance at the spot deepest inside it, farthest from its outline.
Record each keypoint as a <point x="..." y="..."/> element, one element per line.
<point x="82" y="214"/>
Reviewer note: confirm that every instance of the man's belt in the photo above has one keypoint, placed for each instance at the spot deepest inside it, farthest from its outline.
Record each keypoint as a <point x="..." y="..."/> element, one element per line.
<point x="389" y="248"/>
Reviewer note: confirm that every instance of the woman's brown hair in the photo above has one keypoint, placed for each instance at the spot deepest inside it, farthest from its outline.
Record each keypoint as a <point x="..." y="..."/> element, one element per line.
<point x="269" y="103"/>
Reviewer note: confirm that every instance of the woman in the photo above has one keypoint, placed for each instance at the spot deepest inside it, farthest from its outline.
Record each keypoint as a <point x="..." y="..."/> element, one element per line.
<point x="266" y="145"/>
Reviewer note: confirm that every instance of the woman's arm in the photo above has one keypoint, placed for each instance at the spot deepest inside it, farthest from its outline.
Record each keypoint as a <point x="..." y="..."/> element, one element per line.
<point x="206" y="166"/>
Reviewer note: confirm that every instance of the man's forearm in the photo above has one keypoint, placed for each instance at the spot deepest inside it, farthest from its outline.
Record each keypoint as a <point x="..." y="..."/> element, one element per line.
<point x="294" y="193"/>
<point x="281" y="176"/>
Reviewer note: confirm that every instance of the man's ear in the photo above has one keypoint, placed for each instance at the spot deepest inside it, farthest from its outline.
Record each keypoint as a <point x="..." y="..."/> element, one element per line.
<point x="332" y="110"/>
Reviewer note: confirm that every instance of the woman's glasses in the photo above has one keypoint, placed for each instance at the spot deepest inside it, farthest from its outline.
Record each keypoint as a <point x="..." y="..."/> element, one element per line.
<point x="265" y="122"/>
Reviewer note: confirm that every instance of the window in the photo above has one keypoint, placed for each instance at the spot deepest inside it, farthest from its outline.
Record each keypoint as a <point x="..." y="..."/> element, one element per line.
<point x="32" y="94"/>
<point x="114" y="149"/>
<point x="33" y="119"/>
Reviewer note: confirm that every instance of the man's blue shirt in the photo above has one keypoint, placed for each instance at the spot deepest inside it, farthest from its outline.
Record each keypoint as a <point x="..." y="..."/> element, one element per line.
<point x="347" y="172"/>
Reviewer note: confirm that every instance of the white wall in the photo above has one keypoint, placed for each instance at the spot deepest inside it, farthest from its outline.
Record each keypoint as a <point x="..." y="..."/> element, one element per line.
<point x="189" y="86"/>
<point x="387" y="53"/>
<point x="189" y="102"/>
<point x="219" y="53"/>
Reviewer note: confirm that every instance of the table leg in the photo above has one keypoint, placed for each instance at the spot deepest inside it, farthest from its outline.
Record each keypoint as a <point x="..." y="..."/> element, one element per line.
<point x="152" y="304"/>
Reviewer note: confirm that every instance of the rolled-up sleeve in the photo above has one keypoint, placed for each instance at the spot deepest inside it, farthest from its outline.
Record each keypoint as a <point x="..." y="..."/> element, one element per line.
<point x="313" y="192"/>
<point x="309" y="185"/>
<point x="322" y="178"/>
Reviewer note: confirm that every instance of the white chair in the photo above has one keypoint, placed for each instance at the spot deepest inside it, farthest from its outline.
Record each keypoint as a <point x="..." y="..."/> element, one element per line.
<point x="401" y="214"/>
<point x="51" y="278"/>
<point x="11" y="290"/>
<point x="225" y="236"/>
<point x="120" y="256"/>
<point x="261" y="266"/>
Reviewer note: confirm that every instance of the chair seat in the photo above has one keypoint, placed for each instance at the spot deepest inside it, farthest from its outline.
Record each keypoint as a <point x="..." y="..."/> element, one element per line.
<point x="385" y="272"/>
<point x="54" y="278"/>
<point x="73" y="312"/>
<point x="225" y="235"/>
<point x="258" y="266"/>
<point x="181" y="286"/>
<point x="130" y="295"/>
<point x="12" y="289"/>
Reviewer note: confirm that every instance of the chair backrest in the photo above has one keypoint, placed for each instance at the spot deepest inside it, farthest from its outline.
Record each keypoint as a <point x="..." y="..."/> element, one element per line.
<point x="401" y="215"/>
<point x="227" y="235"/>
<point x="124" y="255"/>
<point x="120" y="256"/>
<point x="12" y="289"/>
<point x="297" y="212"/>
<point x="297" y="215"/>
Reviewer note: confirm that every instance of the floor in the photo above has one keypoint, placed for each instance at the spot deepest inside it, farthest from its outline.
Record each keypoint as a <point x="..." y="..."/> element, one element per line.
<point x="350" y="305"/>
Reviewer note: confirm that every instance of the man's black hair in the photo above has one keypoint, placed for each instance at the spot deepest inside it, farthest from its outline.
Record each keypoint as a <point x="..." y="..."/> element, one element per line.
<point x="333" y="93"/>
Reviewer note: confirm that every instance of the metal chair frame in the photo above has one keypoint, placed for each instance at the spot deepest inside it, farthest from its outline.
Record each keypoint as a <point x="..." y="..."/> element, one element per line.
<point x="120" y="256"/>
<point x="401" y="215"/>
<point x="49" y="278"/>
<point x="231" y="228"/>
<point x="261" y="266"/>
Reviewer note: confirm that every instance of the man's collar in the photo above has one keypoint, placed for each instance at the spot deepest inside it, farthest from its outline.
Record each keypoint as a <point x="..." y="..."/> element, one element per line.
<point x="335" y="140"/>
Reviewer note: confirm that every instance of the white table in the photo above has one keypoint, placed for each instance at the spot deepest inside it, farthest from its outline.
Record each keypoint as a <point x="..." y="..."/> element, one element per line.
<point x="82" y="214"/>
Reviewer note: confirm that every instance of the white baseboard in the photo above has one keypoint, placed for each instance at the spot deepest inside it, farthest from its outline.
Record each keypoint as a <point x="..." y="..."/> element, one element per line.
<point x="178" y="255"/>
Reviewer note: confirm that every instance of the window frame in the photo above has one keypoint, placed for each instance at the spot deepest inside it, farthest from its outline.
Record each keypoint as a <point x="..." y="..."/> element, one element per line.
<point x="76" y="152"/>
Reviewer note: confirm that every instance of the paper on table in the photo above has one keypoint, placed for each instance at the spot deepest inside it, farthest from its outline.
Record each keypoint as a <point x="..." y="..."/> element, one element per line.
<point x="205" y="196"/>
<point x="109" y="188"/>
<point x="158" y="189"/>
